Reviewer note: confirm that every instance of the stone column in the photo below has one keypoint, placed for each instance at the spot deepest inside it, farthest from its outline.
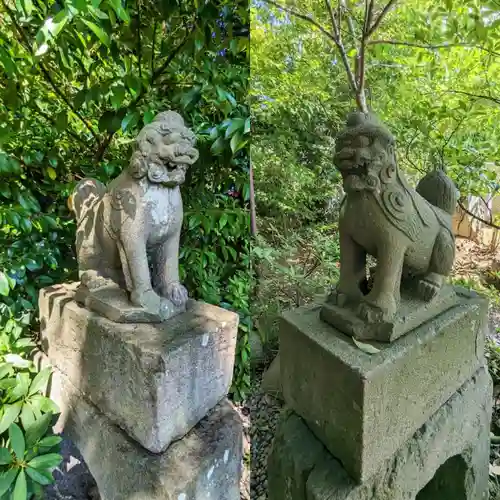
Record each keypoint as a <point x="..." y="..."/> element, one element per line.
<point x="410" y="422"/>
<point x="146" y="403"/>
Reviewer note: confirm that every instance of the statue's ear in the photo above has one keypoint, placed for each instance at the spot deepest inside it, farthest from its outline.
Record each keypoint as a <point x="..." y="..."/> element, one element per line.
<point x="138" y="166"/>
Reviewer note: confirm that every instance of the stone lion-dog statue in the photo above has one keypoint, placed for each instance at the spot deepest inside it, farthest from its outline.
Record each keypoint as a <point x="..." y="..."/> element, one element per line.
<point x="408" y="231"/>
<point x="129" y="231"/>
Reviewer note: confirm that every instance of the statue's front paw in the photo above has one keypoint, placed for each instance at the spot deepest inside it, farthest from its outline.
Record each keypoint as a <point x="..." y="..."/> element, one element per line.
<point x="337" y="298"/>
<point x="377" y="311"/>
<point x="427" y="290"/>
<point x="149" y="300"/>
<point x="176" y="293"/>
<point x="370" y="313"/>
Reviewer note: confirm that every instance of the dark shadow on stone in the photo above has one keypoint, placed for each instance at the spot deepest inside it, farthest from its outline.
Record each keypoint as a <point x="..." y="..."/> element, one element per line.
<point x="448" y="483"/>
<point x="73" y="479"/>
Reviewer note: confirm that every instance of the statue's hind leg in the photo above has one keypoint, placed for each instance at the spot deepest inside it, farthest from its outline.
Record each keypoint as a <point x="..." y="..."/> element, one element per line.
<point x="443" y="255"/>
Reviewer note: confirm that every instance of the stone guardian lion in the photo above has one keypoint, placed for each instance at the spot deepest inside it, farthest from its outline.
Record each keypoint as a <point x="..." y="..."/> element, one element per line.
<point x="408" y="231"/>
<point x="129" y="231"/>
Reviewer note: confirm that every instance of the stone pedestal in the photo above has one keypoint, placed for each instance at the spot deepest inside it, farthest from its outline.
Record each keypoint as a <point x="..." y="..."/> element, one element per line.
<point x="145" y="403"/>
<point x="446" y="459"/>
<point x="369" y="413"/>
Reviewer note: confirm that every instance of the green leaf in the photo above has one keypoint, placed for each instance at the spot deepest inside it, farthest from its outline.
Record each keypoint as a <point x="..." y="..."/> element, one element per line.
<point x="20" y="490"/>
<point x="217" y="146"/>
<point x="98" y="32"/>
<point x="40" y="382"/>
<point x="237" y="142"/>
<point x="247" y="126"/>
<point x="50" y="441"/>
<point x="236" y="124"/>
<point x="130" y="120"/>
<point x="17" y="361"/>
<point x="40" y="476"/>
<point x="120" y="11"/>
<point x="17" y="442"/>
<point x="6" y="480"/>
<point x="5" y="369"/>
<point x="148" y="117"/>
<point x="10" y="414"/>
<point x="368" y="348"/>
<point x="4" y="284"/>
<point x="38" y="430"/>
<point x="27" y="6"/>
<point x="21" y="389"/>
<point x="49" y="461"/>
<point x="5" y="456"/>
<point x="27" y="415"/>
<point x="117" y="96"/>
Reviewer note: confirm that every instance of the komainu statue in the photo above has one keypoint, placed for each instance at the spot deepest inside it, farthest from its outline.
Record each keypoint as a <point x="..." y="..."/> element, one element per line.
<point x="408" y="231"/>
<point x="128" y="232"/>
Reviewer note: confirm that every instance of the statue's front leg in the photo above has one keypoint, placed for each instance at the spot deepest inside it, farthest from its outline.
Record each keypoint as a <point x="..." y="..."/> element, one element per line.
<point x="166" y="269"/>
<point x="382" y="301"/>
<point x="352" y="272"/>
<point x="134" y="259"/>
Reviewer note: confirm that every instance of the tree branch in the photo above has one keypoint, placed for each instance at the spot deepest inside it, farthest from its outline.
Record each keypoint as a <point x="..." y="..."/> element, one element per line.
<point x="304" y="17"/>
<point x="477" y="96"/>
<point x="156" y="74"/>
<point x="360" y="97"/>
<point x="46" y="74"/>
<point x="432" y="46"/>
<point x="350" y="24"/>
<point x="340" y="46"/>
<point x="468" y="212"/>
<point x="153" y="51"/>
<point x="139" y="41"/>
<point x="52" y="121"/>
<point x="380" y="17"/>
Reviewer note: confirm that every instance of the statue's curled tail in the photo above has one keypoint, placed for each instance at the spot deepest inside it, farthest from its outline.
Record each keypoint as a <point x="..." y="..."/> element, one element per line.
<point x="86" y="194"/>
<point x="439" y="190"/>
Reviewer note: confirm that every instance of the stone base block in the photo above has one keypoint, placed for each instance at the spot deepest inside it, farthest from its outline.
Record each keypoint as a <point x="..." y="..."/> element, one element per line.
<point x="446" y="459"/>
<point x="155" y="381"/>
<point x="364" y="407"/>
<point x="203" y="465"/>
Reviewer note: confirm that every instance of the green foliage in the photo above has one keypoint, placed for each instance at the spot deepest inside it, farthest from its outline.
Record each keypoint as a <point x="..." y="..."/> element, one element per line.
<point x="27" y="460"/>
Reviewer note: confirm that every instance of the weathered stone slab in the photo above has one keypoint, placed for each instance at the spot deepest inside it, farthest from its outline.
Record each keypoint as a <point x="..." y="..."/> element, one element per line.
<point x="364" y="407"/>
<point x="112" y="302"/>
<point x="155" y="381"/>
<point x="203" y="465"/>
<point x="412" y="312"/>
<point x="446" y="459"/>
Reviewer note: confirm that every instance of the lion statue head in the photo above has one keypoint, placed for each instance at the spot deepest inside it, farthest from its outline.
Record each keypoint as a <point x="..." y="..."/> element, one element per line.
<point x="365" y="154"/>
<point x="164" y="149"/>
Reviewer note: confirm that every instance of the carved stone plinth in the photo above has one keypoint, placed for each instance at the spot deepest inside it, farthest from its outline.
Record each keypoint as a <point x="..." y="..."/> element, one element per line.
<point x="204" y="464"/>
<point x="411" y="313"/>
<point x="365" y="407"/>
<point x="155" y="381"/>
<point x="445" y="459"/>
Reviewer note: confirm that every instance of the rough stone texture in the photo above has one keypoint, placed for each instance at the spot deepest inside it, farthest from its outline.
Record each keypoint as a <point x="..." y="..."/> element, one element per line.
<point x="271" y="379"/>
<point x="155" y="381"/>
<point x="128" y="232"/>
<point x="205" y="464"/>
<point x="412" y="312"/>
<point x="408" y="231"/>
<point x="364" y="407"/>
<point x="112" y="302"/>
<point x="446" y="459"/>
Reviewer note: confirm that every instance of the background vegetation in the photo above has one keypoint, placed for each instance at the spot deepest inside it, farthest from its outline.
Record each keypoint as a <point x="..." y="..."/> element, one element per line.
<point x="78" y="79"/>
